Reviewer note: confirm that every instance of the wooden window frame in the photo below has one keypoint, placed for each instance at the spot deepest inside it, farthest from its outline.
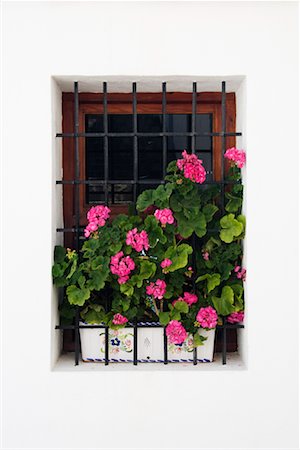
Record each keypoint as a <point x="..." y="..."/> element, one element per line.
<point x="121" y="103"/>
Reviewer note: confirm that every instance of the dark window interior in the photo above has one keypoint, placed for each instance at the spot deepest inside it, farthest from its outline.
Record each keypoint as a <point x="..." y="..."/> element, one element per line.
<point x="150" y="154"/>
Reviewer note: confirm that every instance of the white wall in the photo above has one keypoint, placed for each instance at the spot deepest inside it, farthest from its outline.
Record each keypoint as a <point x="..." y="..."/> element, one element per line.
<point x="256" y="408"/>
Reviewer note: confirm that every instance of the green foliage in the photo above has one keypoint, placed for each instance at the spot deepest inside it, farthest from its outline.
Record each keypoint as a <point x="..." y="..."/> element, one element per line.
<point x="86" y="279"/>
<point x="231" y="228"/>
<point x="213" y="280"/>
<point x="179" y="256"/>
<point x="224" y="304"/>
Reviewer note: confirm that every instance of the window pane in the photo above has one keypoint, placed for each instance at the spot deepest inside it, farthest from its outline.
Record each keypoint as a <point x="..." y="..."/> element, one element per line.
<point x="94" y="123"/>
<point x="150" y="158"/>
<point x="179" y="123"/>
<point x="149" y="123"/>
<point x="120" y="123"/>
<point x="120" y="157"/>
<point x="207" y="163"/>
<point x="204" y="125"/>
<point x="120" y="193"/>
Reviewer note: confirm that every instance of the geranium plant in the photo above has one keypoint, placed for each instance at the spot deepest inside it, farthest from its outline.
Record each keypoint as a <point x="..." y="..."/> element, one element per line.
<point x="178" y="260"/>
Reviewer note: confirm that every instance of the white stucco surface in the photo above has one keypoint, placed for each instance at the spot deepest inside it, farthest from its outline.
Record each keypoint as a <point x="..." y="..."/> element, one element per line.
<point x="234" y="409"/>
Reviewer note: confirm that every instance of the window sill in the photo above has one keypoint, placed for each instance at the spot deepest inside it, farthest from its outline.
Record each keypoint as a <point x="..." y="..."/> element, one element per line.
<point x="65" y="363"/>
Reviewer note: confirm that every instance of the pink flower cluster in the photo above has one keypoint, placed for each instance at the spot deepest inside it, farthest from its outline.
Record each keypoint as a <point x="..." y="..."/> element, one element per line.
<point x="240" y="273"/>
<point x="176" y="332"/>
<point x="236" y="317"/>
<point x="188" y="298"/>
<point x="192" y="167"/>
<point x="118" y="319"/>
<point x="165" y="264"/>
<point x="207" y="317"/>
<point x="157" y="289"/>
<point x="205" y="255"/>
<point x="122" y="266"/>
<point x="237" y="156"/>
<point x="164" y="216"/>
<point x="97" y="217"/>
<point x="138" y="241"/>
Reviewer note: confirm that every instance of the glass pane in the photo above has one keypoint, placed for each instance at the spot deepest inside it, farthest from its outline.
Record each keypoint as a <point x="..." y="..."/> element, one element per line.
<point x="94" y="194"/>
<point x="149" y="123"/>
<point x="120" y="193"/>
<point x="120" y="123"/>
<point x="179" y="123"/>
<point x="204" y="125"/>
<point x="207" y="163"/>
<point x="94" y="123"/>
<point x="150" y="158"/>
<point x="120" y="157"/>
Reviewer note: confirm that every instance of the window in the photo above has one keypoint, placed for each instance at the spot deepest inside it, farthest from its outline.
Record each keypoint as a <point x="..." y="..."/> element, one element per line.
<point x="151" y="140"/>
<point x="125" y="141"/>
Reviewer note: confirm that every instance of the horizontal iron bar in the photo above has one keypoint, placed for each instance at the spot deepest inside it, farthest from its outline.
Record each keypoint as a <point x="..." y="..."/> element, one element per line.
<point x="75" y="230"/>
<point x="140" y="134"/>
<point x="102" y="182"/>
<point x="156" y="325"/>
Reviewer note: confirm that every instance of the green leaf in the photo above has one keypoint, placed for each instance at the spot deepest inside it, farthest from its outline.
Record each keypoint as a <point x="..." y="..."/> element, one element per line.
<point x="144" y="200"/>
<point x="179" y="256"/>
<point x="164" y="318"/>
<point x="231" y="228"/>
<point x="59" y="253"/>
<point x="224" y="305"/>
<point x="93" y="317"/>
<point x="97" y="280"/>
<point x="73" y="267"/>
<point x="234" y="203"/>
<point x="181" y="307"/>
<point x="77" y="296"/>
<point x="155" y="232"/>
<point x="200" y="225"/>
<point x="127" y="289"/>
<point x="125" y="304"/>
<point x="209" y="211"/>
<point x="58" y="270"/>
<point x="213" y="280"/>
<point x="198" y="340"/>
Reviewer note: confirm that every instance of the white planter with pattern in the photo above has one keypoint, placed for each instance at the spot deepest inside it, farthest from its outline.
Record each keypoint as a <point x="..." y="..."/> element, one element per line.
<point x="150" y="346"/>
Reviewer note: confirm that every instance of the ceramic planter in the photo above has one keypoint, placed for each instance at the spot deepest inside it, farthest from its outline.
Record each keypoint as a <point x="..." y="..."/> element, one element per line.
<point x="150" y="346"/>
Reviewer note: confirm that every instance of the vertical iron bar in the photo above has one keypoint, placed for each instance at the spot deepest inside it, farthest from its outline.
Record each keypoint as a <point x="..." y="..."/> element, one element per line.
<point x="135" y="143"/>
<point x="135" y="343"/>
<point x="195" y="362"/>
<point x="224" y="342"/>
<point x="106" y="347"/>
<point x="76" y="204"/>
<point x="164" y="111"/>
<point x="77" y="337"/>
<point x="223" y="142"/>
<point x="194" y="112"/>
<point x="77" y="166"/>
<point x="105" y="143"/>
<point x="165" y="347"/>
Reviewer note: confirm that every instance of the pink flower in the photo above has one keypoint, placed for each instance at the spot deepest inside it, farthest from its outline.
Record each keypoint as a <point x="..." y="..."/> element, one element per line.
<point x="207" y="317"/>
<point x="118" y="319"/>
<point x="157" y="289"/>
<point x="176" y="332"/>
<point x="236" y="317"/>
<point x="237" y="156"/>
<point x="188" y="298"/>
<point x="138" y="241"/>
<point x="165" y="263"/>
<point x="97" y="217"/>
<point x="164" y="216"/>
<point x="205" y="255"/>
<point x="192" y="167"/>
<point x="240" y="273"/>
<point x="121" y="266"/>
